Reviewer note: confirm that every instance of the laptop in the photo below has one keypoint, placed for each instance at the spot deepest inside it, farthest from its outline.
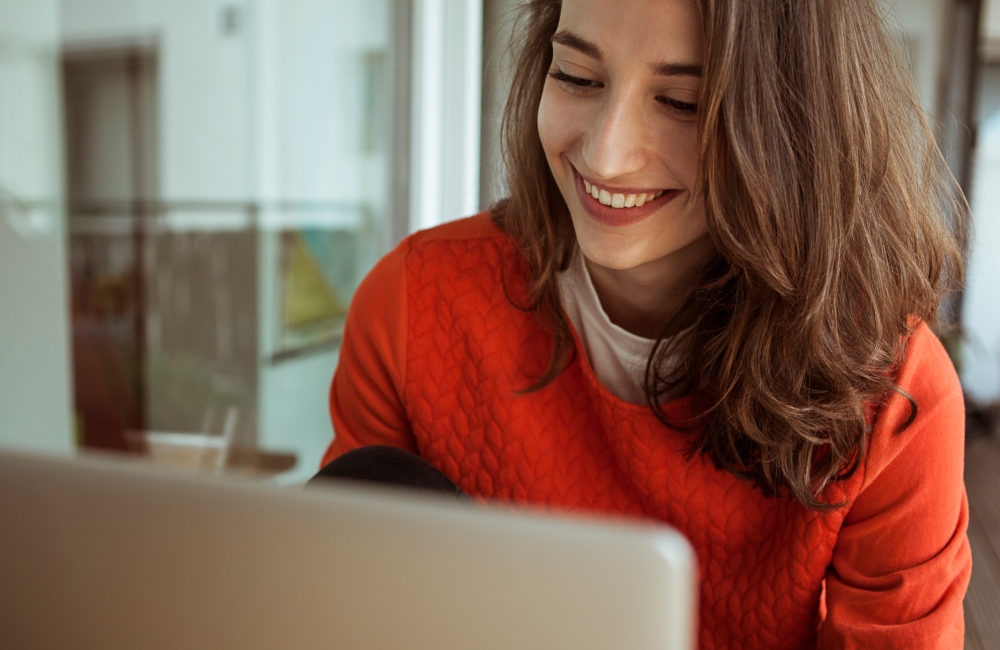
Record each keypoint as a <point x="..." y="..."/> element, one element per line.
<point x="106" y="553"/>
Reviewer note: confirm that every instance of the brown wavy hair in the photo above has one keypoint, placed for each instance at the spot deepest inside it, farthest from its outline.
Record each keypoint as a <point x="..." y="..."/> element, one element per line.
<point x="835" y="220"/>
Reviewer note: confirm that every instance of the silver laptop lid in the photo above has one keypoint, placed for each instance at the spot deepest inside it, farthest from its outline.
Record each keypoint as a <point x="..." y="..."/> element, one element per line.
<point x="98" y="553"/>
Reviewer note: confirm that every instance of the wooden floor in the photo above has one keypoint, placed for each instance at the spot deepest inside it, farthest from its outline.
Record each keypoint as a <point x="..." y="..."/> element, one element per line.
<point x="982" y="603"/>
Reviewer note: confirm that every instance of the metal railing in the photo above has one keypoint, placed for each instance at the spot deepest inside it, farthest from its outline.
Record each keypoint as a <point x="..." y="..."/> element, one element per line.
<point x="123" y="217"/>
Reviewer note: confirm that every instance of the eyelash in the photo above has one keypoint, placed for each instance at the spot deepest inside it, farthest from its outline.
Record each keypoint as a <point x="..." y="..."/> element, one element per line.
<point x="678" y="105"/>
<point x="577" y="85"/>
<point x="564" y="78"/>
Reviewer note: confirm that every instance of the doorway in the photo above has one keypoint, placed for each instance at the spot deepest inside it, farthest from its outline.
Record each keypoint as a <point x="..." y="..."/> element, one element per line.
<point x="110" y="109"/>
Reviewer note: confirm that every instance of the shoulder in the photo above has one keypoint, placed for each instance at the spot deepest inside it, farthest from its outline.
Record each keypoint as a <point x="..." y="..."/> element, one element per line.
<point x="902" y="559"/>
<point x="477" y="228"/>
<point x="471" y="257"/>
<point x="388" y="276"/>
<point x="937" y="432"/>
<point x="928" y="376"/>
<point x="470" y="250"/>
<point x="927" y="370"/>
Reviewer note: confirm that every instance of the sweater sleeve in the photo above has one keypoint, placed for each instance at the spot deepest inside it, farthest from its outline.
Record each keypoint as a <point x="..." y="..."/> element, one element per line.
<point x="366" y="396"/>
<point x="902" y="561"/>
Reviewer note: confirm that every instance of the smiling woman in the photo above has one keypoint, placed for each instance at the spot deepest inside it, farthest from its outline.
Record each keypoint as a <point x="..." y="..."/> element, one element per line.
<point x="621" y="122"/>
<point x="707" y="301"/>
<point x="621" y="127"/>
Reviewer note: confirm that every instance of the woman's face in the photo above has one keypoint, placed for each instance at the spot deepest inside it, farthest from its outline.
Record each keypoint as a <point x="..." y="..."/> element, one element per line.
<point x="618" y="122"/>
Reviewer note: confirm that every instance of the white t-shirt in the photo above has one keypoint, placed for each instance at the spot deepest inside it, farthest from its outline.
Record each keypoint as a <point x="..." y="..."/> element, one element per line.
<point x="618" y="357"/>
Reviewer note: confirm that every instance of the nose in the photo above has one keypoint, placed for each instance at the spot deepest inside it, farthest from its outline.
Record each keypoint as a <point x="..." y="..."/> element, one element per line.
<point x="616" y="143"/>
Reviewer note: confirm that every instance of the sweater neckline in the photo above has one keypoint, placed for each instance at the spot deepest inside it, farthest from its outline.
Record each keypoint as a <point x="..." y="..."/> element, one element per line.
<point x="626" y="338"/>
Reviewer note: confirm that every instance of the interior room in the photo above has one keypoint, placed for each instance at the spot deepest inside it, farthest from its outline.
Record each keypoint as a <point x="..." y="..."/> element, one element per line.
<point x="192" y="191"/>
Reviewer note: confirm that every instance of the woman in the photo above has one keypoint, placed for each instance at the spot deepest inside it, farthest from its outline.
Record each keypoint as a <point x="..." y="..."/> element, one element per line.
<point x="706" y="301"/>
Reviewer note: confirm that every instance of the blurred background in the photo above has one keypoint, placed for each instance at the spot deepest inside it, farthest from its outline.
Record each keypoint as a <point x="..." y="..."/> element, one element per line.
<point x="191" y="190"/>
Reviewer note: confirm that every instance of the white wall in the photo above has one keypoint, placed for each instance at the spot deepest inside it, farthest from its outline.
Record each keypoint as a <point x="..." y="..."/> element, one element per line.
<point x="205" y="148"/>
<point x="991" y="19"/>
<point x="309" y="78"/>
<point x="259" y="110"/>
<point x="981" y="312"/>
<point x="295" y="413"/>
<point x="498" y="23"/>
<point x="919" y="24"/>
<point x="446" y="123"/>
<point x="34" y="341"/>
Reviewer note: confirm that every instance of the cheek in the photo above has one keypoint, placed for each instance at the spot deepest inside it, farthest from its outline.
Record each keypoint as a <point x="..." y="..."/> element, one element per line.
<point x="548" y="131"/>
<point x="557" y="124"/>
<point x="677" y="145"/>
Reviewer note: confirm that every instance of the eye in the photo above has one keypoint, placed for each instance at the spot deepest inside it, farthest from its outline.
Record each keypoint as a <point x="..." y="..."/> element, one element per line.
<point x="576" y="85"/>
<point x="684" y="109"/>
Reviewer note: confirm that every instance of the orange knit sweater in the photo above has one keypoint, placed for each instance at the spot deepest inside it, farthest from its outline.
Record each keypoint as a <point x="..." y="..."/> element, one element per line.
<point x="433" y="357"/>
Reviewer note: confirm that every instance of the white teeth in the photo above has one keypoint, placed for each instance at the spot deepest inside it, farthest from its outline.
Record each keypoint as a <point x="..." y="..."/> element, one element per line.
<point x="620" y="200"/>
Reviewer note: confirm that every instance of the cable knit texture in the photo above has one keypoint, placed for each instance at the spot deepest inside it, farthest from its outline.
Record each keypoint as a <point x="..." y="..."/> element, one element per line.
<point x="434" y="356"/>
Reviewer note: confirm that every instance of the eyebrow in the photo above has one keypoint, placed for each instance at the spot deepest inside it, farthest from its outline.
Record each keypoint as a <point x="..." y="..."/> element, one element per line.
<point x="662" y="69"/>
<point x="578" y="43"/>
<point x="675" y="69"/>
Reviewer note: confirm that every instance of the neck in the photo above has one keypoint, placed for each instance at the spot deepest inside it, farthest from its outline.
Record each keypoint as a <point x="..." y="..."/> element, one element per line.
<point x="642" y="299"/>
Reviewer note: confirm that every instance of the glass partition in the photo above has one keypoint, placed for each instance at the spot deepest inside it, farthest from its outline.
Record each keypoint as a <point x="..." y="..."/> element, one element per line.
<point x="35" y="397"/>
<point x="227" y="187"/>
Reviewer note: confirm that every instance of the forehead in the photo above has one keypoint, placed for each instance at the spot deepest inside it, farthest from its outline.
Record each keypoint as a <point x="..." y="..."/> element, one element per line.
<point x="637" y="31"/>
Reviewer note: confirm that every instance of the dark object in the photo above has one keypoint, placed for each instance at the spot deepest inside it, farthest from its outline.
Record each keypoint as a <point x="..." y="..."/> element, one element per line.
<point x="388" y="466"/>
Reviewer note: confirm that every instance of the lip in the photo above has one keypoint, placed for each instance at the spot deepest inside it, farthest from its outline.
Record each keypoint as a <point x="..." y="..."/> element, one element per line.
<point x="609" y="216"/>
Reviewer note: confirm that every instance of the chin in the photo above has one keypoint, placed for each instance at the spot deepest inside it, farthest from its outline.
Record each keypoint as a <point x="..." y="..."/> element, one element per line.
<point x="630" y="249"/>
<point x="618" y="256"/>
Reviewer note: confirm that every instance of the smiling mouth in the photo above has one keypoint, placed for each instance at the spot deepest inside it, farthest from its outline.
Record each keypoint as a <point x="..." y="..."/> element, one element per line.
<point x="623" y="207"/>
<point x="619" y="200"/>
